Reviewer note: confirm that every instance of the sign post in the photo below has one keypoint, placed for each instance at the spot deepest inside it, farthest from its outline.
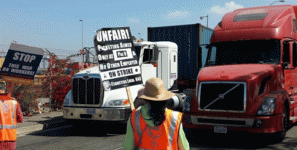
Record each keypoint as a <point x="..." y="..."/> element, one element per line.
<point x="118" y="62"/>
<point x="130" y="98"/>
<point x="21" y="63"/>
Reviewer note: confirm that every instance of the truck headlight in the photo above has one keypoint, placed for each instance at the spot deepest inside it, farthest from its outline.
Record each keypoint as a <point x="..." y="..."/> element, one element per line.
<point x="118" y="103"/>
<point x="187" y="104"/>
<point x="267" y="107"/>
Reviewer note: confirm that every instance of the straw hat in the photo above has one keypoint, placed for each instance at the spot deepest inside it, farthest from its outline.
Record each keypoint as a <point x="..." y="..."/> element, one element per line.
<point x="154" y="90"/>
<point x="140" y="92"/>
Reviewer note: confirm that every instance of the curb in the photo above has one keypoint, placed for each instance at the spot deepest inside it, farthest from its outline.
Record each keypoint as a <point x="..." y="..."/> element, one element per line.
<point x="40" y="127"/>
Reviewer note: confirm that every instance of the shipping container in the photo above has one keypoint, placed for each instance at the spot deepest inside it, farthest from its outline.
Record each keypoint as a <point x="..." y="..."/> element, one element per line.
<point x="191" y="40"/>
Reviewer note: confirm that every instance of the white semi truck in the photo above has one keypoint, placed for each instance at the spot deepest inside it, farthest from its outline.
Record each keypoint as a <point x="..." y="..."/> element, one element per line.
<point x="177" y="63"/>
<point x="88" y="100"/>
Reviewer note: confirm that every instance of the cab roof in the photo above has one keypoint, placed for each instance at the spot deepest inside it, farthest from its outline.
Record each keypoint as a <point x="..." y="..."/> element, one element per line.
<point x="158" y="43"/>
<point x="257" y="23"/>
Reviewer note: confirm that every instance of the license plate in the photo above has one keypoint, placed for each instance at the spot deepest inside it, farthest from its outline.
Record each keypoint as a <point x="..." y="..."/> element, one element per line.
<point x="91" y="111"/>
<point x="220" y="129"/>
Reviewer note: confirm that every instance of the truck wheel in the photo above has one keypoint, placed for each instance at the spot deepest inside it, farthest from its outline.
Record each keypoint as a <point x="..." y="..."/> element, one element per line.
<point x="280" y="136"/>
<point x="68" y="122"/>
<point x="72" y="122"/>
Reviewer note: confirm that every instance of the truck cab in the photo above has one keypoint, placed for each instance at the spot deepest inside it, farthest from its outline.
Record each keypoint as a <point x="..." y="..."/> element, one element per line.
<point x="249" y="81"/>
<point x="158" y="59"/>
<point x="89" y="100"/>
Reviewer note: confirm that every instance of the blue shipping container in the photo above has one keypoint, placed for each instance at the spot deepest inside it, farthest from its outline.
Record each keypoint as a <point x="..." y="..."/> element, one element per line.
<point x="191" y="41"/>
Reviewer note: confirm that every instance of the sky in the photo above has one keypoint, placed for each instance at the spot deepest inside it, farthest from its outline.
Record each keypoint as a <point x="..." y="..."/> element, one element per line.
<point x="55" y="24"/>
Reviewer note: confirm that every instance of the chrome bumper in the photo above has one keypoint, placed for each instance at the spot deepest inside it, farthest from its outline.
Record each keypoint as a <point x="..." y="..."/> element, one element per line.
<point x="102" y="114"/>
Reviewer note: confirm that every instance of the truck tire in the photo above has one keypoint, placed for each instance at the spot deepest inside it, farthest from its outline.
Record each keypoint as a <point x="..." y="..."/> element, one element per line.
<point x="70" y="122"/>
<point x="74" y="123"/>
<point x="189" y="133"/>
<point x="280" y="136"/>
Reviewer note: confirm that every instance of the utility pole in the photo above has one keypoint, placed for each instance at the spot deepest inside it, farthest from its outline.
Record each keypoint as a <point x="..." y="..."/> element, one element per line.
<point x="82" y="33"/>
<point x="82" y="37"/>
<point x="50" y="76"/>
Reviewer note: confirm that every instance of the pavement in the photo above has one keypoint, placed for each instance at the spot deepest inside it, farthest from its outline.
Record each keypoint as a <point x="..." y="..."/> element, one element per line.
<point x="41" y="122"/>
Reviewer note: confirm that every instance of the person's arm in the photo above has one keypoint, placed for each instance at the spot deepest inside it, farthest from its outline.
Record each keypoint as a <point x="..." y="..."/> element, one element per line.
<point x="183" y="143"/>
<point x="129" y="139"/>
<point x="19" y="114"/>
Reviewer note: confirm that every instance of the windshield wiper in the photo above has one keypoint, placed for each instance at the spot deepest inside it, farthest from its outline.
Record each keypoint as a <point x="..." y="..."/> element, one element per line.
<point x="221" y="96"/>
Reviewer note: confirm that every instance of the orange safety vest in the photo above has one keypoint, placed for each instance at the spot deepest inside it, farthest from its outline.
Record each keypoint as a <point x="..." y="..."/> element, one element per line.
<point x="163" y="137"/>
<point x="8" y="120"/>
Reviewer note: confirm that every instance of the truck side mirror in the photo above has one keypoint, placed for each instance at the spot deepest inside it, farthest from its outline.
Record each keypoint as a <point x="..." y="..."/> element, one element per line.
<point x="68" y="71"/>
<point x="286" y="55"/>
<point x="155" y="54"/>
<point x="294" y="54"/>
<point x="87" y="56"/>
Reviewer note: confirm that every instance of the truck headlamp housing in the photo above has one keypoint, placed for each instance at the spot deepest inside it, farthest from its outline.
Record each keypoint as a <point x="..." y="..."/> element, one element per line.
<point x="66" y="101"/>
<point x="267" y="107"/>
<point x="118" y="103"/>
<point x="187" y="104"/>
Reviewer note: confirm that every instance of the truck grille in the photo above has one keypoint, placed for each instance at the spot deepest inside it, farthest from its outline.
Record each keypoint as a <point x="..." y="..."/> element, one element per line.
<point x="86" y="90"/>
<point x="222" y="96"/>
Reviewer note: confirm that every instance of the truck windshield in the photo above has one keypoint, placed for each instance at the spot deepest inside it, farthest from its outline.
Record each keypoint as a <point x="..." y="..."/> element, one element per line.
<point x="147" y="54"/>
<point x="244" y="52"/>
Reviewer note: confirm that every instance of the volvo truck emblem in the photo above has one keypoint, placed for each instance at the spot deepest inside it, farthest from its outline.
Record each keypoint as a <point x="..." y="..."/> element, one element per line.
<point x="221" y="96"/>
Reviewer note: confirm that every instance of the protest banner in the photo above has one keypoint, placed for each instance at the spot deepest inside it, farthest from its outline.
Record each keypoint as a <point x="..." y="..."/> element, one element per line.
<point x="21" y="63"/>
<point x="118" y="62"/>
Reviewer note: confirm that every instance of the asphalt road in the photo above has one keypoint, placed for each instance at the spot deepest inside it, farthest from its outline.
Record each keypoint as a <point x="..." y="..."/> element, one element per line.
<point x="78" y="138"/>
<point x="111" y="138"/>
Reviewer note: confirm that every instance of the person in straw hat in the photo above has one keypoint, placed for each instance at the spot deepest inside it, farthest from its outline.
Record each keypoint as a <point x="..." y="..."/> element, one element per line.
<point x="10" y="115"/>
<point x="153" y="126"/>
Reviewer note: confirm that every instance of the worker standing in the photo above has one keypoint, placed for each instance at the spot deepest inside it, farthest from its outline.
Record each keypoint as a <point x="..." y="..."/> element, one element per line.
<point x="153" y="126"/>
<point x="10" y="115"/>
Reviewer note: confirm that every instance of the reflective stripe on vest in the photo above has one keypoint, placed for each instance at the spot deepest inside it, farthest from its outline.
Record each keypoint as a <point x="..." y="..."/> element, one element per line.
<point x="13" y="111"/>
<point x="7" y="126"/>
<point x="172" y="127"/>
<point x="137" y="122"/>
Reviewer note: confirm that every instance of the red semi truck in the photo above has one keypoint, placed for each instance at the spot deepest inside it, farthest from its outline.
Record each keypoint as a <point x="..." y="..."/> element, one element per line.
<point x="249" y="81"/>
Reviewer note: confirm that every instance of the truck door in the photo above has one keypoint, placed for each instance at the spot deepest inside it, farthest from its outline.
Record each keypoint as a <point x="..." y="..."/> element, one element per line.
<point x="148" y="70"/>
<point x="173" y="68"/>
